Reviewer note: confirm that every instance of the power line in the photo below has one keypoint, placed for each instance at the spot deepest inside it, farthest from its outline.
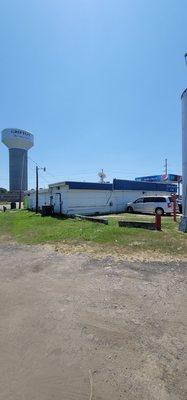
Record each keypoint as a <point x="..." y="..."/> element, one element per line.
<point x="59" y="175"/>
<point x="48" y="173"/>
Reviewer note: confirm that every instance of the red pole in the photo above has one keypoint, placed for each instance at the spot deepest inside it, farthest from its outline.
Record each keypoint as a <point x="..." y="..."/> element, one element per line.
<point x="174" y="208"/>
<point x="158" y="222"/>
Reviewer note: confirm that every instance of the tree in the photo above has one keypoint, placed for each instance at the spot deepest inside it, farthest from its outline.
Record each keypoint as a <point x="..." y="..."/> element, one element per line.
<point x="3" y="190"/>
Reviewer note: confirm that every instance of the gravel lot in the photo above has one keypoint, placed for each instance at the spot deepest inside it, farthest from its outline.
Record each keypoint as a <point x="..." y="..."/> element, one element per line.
<point x="74" y="328"/>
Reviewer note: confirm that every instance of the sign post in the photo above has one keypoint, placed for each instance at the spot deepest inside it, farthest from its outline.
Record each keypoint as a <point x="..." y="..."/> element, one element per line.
<point x="158" y="222"/>
<point x="174" y="208"/>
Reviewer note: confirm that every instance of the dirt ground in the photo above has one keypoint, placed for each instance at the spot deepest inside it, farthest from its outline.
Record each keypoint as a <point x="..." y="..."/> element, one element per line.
<point x="73" y="327"/>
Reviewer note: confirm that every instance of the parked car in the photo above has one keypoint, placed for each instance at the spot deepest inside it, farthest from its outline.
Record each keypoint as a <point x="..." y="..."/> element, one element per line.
<point x="180" y="207"/>
<point x="178" y="204"/>
<point x="152" y="204"/>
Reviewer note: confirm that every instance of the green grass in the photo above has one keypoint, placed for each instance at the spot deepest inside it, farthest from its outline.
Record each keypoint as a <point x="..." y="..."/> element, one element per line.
<point x="27" y="227"/>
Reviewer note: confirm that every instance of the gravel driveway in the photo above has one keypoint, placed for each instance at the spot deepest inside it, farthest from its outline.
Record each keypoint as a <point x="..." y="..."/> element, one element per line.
<point x="74" y="328"/>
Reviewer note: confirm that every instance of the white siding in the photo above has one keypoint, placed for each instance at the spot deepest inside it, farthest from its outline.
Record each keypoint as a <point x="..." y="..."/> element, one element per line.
<point x="88" y="201"/>
<point x="85" y="202"/>
<point x="43" y="199"/>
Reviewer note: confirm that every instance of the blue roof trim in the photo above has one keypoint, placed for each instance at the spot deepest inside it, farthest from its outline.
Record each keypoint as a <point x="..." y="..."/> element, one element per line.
<point x="119" y="184"/>
<point x="89" y="185"/>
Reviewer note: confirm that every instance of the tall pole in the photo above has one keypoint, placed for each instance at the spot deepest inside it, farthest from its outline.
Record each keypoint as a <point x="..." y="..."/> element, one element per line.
<point x="174" y="207"/>
<point x="166" y="167"/>
<point x="183" y="222"/>
<point x="20" y="196"/>
<point x="36" y="189"/>
<point x="37" y="168"/>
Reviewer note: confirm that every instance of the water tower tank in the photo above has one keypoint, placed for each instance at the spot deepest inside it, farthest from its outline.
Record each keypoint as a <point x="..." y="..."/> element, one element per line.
<point x="18" y="142"/>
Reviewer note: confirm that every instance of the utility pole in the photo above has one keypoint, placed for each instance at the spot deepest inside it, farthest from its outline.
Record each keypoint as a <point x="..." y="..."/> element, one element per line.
<point x="22" y="171"/>
<point x="183" y="222"/>
<point x="165" y="172"/>
<point x="36" y="189"/>
<point x="166" y="167"/>
<point x="37" y="168"/>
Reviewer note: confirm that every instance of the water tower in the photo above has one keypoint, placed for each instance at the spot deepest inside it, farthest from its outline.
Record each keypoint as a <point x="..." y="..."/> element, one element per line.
<point x="19" y="142"/>
<point x="183" y="223"/>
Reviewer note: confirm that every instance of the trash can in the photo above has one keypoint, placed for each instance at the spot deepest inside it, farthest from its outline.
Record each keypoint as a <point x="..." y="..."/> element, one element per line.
<point x="47" y="210"/>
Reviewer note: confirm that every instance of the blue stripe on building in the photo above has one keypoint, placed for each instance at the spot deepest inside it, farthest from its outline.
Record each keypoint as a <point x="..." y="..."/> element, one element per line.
<point x="89" y="185"/>
<point x="120" y="184"/>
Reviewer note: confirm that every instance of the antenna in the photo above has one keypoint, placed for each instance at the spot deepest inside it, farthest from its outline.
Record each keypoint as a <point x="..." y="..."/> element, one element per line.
<point x="102" y="176"/>
<point x="185" y="56"/>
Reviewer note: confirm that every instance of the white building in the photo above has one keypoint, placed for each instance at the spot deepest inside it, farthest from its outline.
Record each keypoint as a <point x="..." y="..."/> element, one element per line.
<point x="88" y="198"/>
<point x="30" y="198"/>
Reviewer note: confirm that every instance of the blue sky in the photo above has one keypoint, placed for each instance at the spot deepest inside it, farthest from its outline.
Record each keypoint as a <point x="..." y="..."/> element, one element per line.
<point x="98" y="83"/>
